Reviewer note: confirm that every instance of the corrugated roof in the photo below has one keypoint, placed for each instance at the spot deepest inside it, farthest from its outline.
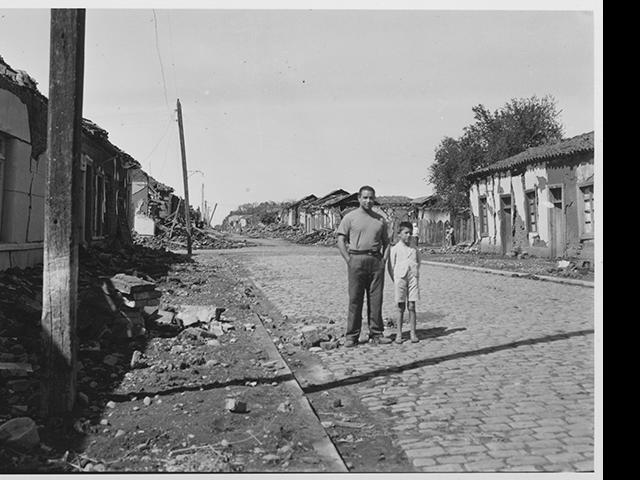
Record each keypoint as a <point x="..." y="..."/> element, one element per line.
<point x="334" y="199"/>
<point x="329" y="196"/>
<point x="425" y="199"/>
<point x="341" y="199"/>
<point x="393" y="199"/>
<point x="308" y="198"/>
<point x="547" y="152"/>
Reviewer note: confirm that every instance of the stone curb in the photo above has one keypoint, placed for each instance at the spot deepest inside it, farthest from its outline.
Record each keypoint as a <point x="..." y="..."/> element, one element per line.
<point x="324" y="447"/>
<point x="508" y="273"/>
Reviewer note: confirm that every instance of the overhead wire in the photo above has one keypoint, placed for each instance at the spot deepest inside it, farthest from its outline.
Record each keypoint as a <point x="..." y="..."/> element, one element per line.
<point x="162" y="137"/>
<point x="164" y="81"/>
<point x="173" y="59"/>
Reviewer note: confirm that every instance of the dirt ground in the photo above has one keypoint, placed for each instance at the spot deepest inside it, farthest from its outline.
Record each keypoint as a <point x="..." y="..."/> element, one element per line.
<point x="168" y="412"/>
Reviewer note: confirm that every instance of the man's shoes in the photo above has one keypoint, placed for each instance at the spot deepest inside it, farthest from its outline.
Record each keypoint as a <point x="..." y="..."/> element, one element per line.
<point x="380" y="340"/>
<point x="350" y="343"/>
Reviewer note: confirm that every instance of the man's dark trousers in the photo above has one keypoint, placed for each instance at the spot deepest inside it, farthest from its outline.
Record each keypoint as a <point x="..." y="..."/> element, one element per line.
<point x="366" y="275"/>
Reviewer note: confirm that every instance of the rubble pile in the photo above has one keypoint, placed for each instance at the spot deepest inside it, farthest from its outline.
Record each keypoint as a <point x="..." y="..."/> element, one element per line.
<point x="319" y="237"/>
<point x="175" y="236"/>
<point x="273" y="230"/>
<point x="110" y="312"/>
<point x="127" y="296"/>
<point x="465" y="247"/>
<point x="294" y="234"/>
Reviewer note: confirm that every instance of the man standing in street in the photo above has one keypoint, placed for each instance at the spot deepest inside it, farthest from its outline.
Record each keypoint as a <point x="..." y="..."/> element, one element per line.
<point x="366" y="234"/>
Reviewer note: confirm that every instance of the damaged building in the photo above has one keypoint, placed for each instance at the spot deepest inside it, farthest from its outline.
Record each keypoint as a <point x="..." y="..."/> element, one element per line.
<point x="151" y="201"/>
<point x="540" y="201"/>
<point x="105" y="176"/>
<point x="291" y="213"/>
<point x="321" y="213"/>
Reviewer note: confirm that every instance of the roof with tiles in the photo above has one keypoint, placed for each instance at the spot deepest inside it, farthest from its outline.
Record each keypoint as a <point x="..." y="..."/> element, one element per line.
<point x="543" y="153"/>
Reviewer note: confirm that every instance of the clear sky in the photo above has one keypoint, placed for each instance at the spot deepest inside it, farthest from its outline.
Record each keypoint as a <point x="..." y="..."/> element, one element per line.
<point x="278" y="104"/>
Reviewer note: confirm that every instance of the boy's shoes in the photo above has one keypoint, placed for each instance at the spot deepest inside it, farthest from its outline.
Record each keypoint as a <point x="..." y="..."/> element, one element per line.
<point x="350" y="343"/>
<point x="399" y="340"/>
<point x="415" y="339"/>
<point x="380" y="340"/>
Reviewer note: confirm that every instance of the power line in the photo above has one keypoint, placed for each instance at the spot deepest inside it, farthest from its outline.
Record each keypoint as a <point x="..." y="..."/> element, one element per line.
<point x="164" y="82"/>
<point x="164" y="135"/>
<point x="173" y="60"/>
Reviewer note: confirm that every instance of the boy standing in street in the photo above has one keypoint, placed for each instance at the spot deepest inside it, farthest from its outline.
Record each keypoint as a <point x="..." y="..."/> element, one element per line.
<point x="404" y="270"/>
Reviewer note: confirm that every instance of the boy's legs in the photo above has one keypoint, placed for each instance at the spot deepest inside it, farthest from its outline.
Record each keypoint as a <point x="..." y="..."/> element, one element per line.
<point x="401" y="306"/>
<point x="412" y="321"/>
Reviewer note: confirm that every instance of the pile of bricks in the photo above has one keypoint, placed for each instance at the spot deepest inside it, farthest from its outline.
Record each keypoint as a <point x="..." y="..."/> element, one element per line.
<point x="127" y="296"/>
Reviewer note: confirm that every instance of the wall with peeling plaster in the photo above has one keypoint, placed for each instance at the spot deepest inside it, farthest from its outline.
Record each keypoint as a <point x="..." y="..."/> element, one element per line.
<point x="22" y="222"/>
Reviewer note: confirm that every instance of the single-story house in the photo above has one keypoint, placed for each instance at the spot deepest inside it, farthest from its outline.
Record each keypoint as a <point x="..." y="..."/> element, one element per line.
<point x="319" y="214"/>
<point x="431" y="217"/>
<point x="291" y="213"/>
<point x="395" y="209"/>
<point x="540" y="201"/>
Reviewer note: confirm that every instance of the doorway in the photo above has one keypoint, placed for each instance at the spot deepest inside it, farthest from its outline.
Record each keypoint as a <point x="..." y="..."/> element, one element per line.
<point x="557" y="222"/>
<point x="506" y="236"/>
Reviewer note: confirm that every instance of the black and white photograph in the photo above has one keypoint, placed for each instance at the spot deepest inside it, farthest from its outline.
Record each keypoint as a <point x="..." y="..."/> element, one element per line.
<point x="298" y="238"/>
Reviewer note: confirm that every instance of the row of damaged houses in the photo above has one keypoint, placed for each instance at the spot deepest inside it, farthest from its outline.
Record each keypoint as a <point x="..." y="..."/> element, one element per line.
<point x="540" y="201"/>
<point x="316" y="213"/>
<point x="117" y="195"/>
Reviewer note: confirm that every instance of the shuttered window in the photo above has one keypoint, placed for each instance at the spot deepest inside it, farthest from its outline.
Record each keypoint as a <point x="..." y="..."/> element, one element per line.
<point x="532" y="211"/>
<point x="484" y="226"/>
<point x="587" y="210"/>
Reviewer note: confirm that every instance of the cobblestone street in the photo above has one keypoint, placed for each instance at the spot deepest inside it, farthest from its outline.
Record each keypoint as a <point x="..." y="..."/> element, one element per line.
<point x="502" y="379"/>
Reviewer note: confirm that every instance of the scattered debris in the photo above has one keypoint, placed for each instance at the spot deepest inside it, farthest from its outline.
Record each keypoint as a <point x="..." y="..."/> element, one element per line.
<point x="236" y="406"/>
<point x="20" y="433"/>
<point x="137" y="360"/>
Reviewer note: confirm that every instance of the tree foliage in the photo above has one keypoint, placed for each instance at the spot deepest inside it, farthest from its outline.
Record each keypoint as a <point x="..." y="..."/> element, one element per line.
<point x="493" y="136"/>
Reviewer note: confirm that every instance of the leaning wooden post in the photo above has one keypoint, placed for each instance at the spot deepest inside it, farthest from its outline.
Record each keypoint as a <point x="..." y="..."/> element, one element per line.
<point x="185" y="178"/>
<point x="212" y="213"/>
<point x="61" y="212"/>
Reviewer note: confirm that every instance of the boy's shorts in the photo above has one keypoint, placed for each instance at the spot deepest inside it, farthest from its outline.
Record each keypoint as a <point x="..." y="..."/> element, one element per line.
<point x="407" y="289"/>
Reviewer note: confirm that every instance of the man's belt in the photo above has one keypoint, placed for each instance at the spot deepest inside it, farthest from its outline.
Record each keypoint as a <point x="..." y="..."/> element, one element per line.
<point x="365" y="252"/>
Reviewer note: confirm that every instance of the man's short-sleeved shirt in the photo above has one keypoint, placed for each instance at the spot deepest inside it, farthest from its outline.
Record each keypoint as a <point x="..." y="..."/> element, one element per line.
<point x="364" y="230"/>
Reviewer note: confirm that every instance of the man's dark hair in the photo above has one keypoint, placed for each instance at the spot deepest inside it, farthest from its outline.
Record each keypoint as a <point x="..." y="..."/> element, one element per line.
<point x="408" y="225"/>
<point x="366" y="187"/>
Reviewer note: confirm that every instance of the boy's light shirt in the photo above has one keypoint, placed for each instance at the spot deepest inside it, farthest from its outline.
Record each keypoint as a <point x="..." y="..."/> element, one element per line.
<point x="404" y="259"/>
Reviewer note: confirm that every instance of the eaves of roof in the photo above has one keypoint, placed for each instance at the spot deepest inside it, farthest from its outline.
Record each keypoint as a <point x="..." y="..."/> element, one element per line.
<point x="543" y="153"/>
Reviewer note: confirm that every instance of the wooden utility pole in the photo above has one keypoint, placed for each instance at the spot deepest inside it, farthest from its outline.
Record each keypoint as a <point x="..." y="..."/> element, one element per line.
<point x="61" y="212"/>
<point x="214" y="211"/>
<point x="187" y="214"/>
<point x="202" y="205"/>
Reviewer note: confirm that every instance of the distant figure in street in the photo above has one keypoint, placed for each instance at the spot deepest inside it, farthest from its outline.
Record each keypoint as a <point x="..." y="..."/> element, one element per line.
<point x="448" y="235"/>
<point x="366" y="234"/>
<point x="404" y="270"/>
